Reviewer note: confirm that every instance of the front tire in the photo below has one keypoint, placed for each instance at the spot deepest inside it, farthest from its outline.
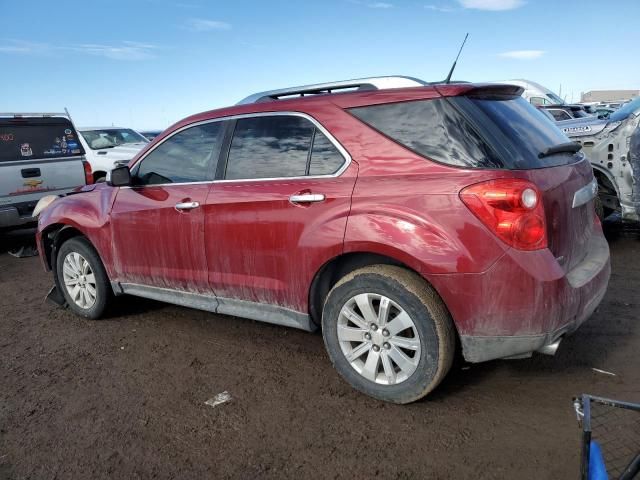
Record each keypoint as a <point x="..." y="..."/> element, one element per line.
<point x="388" y="333"/>
<point x="82" y="278"/>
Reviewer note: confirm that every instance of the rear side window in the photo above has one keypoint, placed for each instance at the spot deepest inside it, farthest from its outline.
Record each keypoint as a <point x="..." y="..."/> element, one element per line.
<point x="37" y="138"/>
<point x="325" y="157"/>
<point x="496" y="131"/>
<point x="186" y="157"/>
<point x="433" y="129"/>
<point x="280" y="146"/>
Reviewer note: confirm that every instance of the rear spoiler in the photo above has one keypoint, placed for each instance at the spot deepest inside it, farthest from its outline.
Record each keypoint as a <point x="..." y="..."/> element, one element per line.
<point x="479" y="90"/>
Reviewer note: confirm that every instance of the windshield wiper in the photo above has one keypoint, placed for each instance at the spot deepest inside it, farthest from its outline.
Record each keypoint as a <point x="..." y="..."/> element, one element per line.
<point x="569" y="147"/>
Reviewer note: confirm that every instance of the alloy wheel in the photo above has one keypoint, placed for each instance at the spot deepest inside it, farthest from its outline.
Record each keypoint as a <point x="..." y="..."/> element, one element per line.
<point x="79" y="280"/>
<point x="378" y="338"/>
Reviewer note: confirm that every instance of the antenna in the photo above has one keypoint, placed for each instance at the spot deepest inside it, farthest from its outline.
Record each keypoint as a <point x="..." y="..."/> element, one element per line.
<point x="453" y="67"/>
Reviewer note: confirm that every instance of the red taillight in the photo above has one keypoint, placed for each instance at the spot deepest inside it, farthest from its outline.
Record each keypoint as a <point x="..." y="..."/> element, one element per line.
<point x="512" y="209"/>
<point x="88" y="174"/>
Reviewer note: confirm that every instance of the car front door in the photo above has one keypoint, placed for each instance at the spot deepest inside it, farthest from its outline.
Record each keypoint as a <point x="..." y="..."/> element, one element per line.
<point x="277" y="212"/>
<point x="158" y="222"/>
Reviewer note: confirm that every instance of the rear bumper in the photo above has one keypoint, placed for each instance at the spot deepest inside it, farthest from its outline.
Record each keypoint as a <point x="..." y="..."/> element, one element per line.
<point x="525" y="301"/>
<point x="10" y="217"/>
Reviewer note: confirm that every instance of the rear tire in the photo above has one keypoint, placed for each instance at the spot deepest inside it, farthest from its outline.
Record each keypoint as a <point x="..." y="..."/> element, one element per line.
<point x="388" y="333"/>
<point x="82" y="279"/>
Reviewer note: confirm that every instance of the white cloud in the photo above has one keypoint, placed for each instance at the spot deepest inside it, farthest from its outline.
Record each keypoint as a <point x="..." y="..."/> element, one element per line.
<point x="493" y="5"/>
<point x="204" y="25"/>
<point x="438" y="8"/>
<point x="123" y="51"/>
<point x="522" y="54"/>
<point x="24" y="48"/>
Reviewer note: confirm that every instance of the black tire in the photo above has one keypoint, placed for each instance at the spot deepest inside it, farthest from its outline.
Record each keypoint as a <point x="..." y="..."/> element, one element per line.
<point x="597" y="203"/>
<point x="426" y="309"/>
<point x="103" y="289"/>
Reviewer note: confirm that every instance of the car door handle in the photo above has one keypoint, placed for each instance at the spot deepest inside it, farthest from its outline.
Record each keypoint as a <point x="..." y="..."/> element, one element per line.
<point x="186" y="206"/>
<point x="307" y="198"/>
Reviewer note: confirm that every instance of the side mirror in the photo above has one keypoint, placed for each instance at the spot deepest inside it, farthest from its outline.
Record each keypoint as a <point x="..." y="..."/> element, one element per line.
<point x="119" y="177"/>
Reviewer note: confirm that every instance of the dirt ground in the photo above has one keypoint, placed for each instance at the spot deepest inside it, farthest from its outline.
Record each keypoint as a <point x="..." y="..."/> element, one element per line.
<point x="125" y="397"/>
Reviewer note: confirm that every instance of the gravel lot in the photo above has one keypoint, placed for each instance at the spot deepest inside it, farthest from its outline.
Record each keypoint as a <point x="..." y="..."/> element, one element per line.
<point x="125" y="397"/>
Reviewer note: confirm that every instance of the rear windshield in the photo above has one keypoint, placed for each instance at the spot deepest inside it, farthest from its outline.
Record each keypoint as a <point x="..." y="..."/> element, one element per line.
<point x="503" y="132"/>
<point x="31" y="138"/>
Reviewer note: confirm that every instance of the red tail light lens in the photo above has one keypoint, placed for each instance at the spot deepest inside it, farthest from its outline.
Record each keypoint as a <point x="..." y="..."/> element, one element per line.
<point x="512" y="209"/>
<point x="88" y="174"/>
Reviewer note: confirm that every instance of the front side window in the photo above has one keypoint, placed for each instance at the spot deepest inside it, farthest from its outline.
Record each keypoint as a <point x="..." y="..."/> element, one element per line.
<point x="187" y="156"/>
<point x="280" y="146"/>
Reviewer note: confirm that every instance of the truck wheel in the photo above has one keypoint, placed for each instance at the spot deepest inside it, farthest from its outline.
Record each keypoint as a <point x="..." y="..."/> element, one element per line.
<point x="82" y="278"/>
<point x="388" y="333"/>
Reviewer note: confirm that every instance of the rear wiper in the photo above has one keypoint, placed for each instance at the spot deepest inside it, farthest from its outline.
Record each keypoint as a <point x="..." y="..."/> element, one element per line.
<point x="569" y="147"/>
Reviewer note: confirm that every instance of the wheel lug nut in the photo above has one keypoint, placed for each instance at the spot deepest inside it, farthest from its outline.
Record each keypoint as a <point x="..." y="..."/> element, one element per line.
<point x="376" y="348"/>
<point x="374" y="327"/>
<point x="385" y="332"/>
<point x="367" y="336"/>
<point x="386" y="345"/>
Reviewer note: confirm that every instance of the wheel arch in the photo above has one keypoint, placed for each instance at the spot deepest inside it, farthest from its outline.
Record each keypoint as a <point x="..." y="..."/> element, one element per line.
<point x="336" y="268"/>
<point x="55" y="235"/>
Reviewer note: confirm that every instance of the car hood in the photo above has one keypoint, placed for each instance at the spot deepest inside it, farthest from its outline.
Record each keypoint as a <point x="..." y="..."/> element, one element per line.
<point x="580" y="127"/>
<point x="121" y="152"/>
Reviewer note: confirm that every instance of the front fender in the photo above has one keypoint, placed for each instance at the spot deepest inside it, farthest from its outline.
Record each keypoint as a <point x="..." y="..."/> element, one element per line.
<point x="87" y="212"/>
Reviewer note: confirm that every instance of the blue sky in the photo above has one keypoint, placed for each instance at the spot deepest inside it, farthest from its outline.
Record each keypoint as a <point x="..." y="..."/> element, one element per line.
<point x="148" y="63"/>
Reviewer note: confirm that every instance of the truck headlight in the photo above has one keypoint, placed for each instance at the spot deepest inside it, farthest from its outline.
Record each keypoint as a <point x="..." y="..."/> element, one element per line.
<point x="43" y="203"/>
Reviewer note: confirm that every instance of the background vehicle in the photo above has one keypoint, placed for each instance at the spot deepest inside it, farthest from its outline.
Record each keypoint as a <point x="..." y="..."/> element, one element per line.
<point x="39" y="155"/>
<point x="151" y="134"/>
<point x="603" y="112"/>
<point x="534" y="93"/>
<point x="566" y="111"/>
<point x="613" y="147"/>
<point x="109" y="147"/>
<point x="395" y="218"/>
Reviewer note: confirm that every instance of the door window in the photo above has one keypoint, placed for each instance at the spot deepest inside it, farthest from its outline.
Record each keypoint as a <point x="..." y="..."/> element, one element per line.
<point x="280" y="146"/>
<point x="186" y="157"/>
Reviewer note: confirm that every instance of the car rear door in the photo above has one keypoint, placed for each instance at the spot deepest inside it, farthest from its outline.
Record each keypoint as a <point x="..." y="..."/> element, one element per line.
<point x="158" y="222"/>
<point x="277" y="212"/>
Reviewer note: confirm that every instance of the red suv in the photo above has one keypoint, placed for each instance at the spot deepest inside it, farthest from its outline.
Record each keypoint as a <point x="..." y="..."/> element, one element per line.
<point x="405" y="219"/>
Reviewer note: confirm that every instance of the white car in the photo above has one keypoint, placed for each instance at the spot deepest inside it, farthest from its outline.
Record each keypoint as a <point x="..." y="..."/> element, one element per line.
<point x="535" y="93"/>
<point x="110" y="147"/>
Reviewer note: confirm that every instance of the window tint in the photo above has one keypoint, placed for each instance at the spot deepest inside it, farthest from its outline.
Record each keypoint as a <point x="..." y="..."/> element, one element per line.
<point x="481" y="131"/>
<point x="187" y="156"/>
<point x="269" y="147"/>
<point x="325" y="157"/>
<point x="517" y="131"/>
<point x="26" y="138"/>
<point x="432" y="128"/>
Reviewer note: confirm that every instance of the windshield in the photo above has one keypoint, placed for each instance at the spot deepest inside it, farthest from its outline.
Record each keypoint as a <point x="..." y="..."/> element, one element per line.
<point x="624" y="112"/>
<point x="111" y="137"/>
<point x="555" y="98"/>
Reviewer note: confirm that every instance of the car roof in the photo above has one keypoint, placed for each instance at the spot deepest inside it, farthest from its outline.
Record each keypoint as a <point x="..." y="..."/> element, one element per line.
<point x="351" y="99"/>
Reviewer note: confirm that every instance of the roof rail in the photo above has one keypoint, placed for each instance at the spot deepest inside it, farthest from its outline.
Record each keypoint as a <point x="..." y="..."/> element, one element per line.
<point x="372" y="83"/>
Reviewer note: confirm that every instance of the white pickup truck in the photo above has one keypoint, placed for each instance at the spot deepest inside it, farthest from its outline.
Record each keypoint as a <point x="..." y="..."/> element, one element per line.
<point x="39" y="155"/>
